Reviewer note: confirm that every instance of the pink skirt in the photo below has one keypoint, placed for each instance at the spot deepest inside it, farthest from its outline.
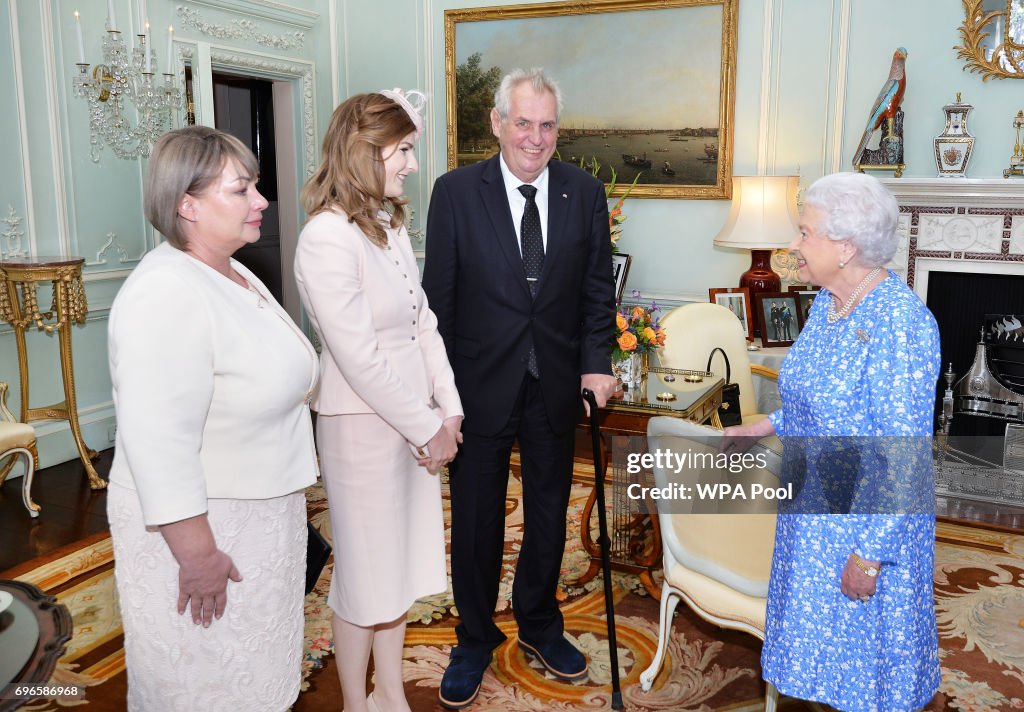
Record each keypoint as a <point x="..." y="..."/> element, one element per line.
<point x="386" y="520"/>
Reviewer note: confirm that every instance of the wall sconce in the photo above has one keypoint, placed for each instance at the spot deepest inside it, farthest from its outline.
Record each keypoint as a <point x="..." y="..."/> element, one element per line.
<point x="126" y="76"/>
<point x="763" y="218"/>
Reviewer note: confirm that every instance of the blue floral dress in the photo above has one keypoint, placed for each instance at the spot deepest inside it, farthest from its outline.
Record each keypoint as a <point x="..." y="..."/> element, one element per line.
<point x="870" y="374"/>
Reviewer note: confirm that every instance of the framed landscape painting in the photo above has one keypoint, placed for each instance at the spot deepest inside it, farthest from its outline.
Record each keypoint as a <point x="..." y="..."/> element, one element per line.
<point x="648" y="87"/>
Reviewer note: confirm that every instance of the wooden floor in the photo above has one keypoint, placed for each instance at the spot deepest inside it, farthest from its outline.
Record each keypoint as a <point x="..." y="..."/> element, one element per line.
<point x="71" y="511"/>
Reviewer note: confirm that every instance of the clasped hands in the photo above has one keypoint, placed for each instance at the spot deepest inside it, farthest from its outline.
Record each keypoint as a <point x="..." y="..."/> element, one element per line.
<point x="442" y="448"/>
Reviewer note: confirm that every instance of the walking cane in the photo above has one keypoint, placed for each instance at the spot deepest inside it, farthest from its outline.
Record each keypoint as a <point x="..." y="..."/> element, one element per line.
<point x="604" y="543"/>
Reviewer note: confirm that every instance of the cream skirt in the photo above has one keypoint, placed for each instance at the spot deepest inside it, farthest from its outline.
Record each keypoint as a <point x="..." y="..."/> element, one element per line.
<point x="251" y="658"/>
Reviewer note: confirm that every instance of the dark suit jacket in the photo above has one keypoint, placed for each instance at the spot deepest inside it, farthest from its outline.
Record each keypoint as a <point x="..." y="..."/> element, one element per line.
<point x="476" y="285"/>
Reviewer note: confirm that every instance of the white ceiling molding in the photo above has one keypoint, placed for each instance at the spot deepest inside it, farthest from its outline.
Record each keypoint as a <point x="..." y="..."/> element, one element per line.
<point x="244" y="29"/>
<point x="266" y="10"/>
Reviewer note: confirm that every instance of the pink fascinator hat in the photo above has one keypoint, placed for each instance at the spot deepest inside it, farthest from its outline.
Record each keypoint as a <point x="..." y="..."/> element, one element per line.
<point x="412" y="101"/>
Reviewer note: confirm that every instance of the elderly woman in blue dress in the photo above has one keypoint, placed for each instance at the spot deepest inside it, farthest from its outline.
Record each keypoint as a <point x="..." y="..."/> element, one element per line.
<point x="851" y="617"/>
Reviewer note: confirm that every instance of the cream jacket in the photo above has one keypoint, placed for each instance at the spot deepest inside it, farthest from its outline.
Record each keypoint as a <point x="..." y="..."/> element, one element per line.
<point x="211" y="388"/>
<point x="381" y="352"/>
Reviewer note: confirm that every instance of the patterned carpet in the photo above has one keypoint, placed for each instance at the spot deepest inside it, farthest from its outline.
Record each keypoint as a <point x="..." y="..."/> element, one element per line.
<point x="979" y="588"/>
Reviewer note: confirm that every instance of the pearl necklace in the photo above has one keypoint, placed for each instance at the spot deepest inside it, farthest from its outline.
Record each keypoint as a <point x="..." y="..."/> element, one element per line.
<point x="833" y="316"/>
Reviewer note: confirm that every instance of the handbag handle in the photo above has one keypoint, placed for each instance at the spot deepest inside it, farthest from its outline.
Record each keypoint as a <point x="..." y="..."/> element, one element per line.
<point x="728" y="369"/>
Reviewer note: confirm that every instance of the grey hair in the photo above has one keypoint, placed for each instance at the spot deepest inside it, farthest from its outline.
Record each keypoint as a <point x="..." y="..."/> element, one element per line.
<point x="188" y="161"/>
<point x="858" y="208"/>
<point x="537" y="78"/>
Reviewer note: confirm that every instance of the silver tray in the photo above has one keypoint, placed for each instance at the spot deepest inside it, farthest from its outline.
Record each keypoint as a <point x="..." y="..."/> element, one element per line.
<point x="19" y="634"/>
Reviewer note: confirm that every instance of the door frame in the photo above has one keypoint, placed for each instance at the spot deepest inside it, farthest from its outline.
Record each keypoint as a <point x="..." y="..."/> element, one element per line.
<point x="294" y="131"/>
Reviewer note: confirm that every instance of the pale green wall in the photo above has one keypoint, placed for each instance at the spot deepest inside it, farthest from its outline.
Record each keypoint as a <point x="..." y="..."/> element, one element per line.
<point x="822" y="63"/>
<point x="825" y="63"/>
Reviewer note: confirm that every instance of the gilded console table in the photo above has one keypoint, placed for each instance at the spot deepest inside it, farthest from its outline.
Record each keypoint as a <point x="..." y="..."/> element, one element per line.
<point x="19" y="307"/>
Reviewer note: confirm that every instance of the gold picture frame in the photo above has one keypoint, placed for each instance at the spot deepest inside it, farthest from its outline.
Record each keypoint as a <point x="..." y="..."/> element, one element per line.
<point x="666" y="113"/>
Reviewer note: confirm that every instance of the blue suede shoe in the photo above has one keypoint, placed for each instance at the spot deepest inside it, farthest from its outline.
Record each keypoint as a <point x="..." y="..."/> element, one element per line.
<point x="559" y="657"/>
<point x="461" y="682"/>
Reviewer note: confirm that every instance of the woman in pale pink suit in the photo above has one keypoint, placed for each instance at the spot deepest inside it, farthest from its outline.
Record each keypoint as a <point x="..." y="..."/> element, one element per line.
<point x="389" y="414"/>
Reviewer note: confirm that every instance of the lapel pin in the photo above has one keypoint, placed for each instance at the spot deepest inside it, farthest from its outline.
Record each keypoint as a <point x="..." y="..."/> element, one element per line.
<point x="564" y="195"/>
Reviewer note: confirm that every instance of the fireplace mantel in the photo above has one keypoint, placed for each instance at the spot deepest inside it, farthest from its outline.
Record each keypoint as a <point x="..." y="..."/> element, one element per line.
<point x="973" y="225"/>
<point x="963" y="191"/>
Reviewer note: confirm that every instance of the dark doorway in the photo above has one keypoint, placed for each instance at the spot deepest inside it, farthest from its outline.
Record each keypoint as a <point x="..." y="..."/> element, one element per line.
<point x="244" y="107"/>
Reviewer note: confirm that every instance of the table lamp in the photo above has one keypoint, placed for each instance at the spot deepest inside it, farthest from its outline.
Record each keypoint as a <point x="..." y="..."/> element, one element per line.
<point x="763" y="218"/>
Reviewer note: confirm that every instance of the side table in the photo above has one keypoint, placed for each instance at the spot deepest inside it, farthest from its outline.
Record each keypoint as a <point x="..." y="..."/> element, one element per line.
<point x="628" y="416"/>
<point x="48" y="622"/>
<point x="19" y="307"/>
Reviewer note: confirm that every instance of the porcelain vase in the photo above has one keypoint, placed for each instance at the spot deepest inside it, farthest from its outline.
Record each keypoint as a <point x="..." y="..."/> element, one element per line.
<point x="953" y="146"/>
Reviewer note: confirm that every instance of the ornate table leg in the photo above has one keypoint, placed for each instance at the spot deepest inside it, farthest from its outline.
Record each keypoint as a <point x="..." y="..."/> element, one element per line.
<point x="69" y="307"/>
<point x="67" y="371"/>
<point x="639" y="564"/>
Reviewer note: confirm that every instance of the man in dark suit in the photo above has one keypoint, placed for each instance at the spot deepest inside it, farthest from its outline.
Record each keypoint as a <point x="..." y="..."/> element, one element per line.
<point x="518" y="271"/>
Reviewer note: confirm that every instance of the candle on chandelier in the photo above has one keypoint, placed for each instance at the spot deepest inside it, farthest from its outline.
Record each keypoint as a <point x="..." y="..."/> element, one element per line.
<point x="142" y="13"/>
<point x="170" y="50"/>
<point x="149" y="52"/>
<point x="111" y="18"/>
<point x="78" y="33"/>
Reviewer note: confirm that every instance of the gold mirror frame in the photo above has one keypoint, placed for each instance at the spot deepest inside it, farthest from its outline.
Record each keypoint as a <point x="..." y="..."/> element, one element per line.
<point x="674" y="11"/>
<point x="974" y="31"/>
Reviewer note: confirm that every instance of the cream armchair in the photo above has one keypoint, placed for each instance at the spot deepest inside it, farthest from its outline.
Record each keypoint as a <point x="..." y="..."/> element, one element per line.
<point x="17" y="440"/>
<point x="692" y="331"/>
<point x="717" y="551"/>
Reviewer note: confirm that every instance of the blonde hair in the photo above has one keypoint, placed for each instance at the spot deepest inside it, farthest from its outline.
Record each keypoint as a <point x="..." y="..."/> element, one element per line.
<point x="187" y="161"/>
<point x="351" y="174"/>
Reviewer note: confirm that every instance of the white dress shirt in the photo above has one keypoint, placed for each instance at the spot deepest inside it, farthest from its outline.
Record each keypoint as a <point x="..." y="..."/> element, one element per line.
<point x="517" y="202"/>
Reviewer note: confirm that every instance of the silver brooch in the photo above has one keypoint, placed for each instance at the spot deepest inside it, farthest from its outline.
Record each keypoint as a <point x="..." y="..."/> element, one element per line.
<point x="863" y="335"/>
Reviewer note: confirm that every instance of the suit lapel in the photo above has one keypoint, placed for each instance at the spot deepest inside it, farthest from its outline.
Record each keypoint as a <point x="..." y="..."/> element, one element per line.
<point x="559" y="194"/>
<point x="495" y="200"/>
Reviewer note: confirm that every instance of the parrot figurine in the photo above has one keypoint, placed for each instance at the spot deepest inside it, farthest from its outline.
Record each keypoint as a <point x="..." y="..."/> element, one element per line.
<point x="888" y="102"/>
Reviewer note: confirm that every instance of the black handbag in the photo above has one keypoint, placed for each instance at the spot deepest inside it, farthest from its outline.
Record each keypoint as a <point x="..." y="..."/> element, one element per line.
<point x="317" y="553"/>
<point x="729" y="411"/>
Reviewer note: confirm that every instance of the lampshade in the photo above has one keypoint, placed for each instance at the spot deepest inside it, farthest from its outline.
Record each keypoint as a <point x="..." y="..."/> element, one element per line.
<point x="763" y="214"/>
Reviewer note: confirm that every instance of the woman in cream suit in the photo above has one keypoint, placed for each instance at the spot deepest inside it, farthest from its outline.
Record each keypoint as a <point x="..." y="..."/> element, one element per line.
<point x="211" y="382"/>
<point x="389" y="414"/>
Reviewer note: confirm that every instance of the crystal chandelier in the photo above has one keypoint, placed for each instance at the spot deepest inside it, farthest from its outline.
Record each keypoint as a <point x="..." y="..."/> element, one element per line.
<point x="126" y="78"/>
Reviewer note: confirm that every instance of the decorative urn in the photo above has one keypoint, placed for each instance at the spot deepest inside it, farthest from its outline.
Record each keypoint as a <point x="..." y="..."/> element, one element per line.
<point x="953" y="146"/>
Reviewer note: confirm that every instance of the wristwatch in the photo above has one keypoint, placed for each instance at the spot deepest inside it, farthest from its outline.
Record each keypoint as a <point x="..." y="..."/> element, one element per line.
<point x="871" y="571"/>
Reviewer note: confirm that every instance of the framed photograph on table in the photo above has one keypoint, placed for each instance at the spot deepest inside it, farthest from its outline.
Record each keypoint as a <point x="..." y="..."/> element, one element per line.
<point x="736" y="300"/>
<point x="804" y="301"/>
<point x="620" y="268"/>
<point x="778" y="318"/>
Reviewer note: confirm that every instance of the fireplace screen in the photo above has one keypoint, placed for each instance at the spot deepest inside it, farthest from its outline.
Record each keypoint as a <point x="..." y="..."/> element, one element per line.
<point x="985" y="467"/>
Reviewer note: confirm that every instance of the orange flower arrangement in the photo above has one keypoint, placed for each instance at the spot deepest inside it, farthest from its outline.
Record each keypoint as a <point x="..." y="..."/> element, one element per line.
<point x="637" y="330"/>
